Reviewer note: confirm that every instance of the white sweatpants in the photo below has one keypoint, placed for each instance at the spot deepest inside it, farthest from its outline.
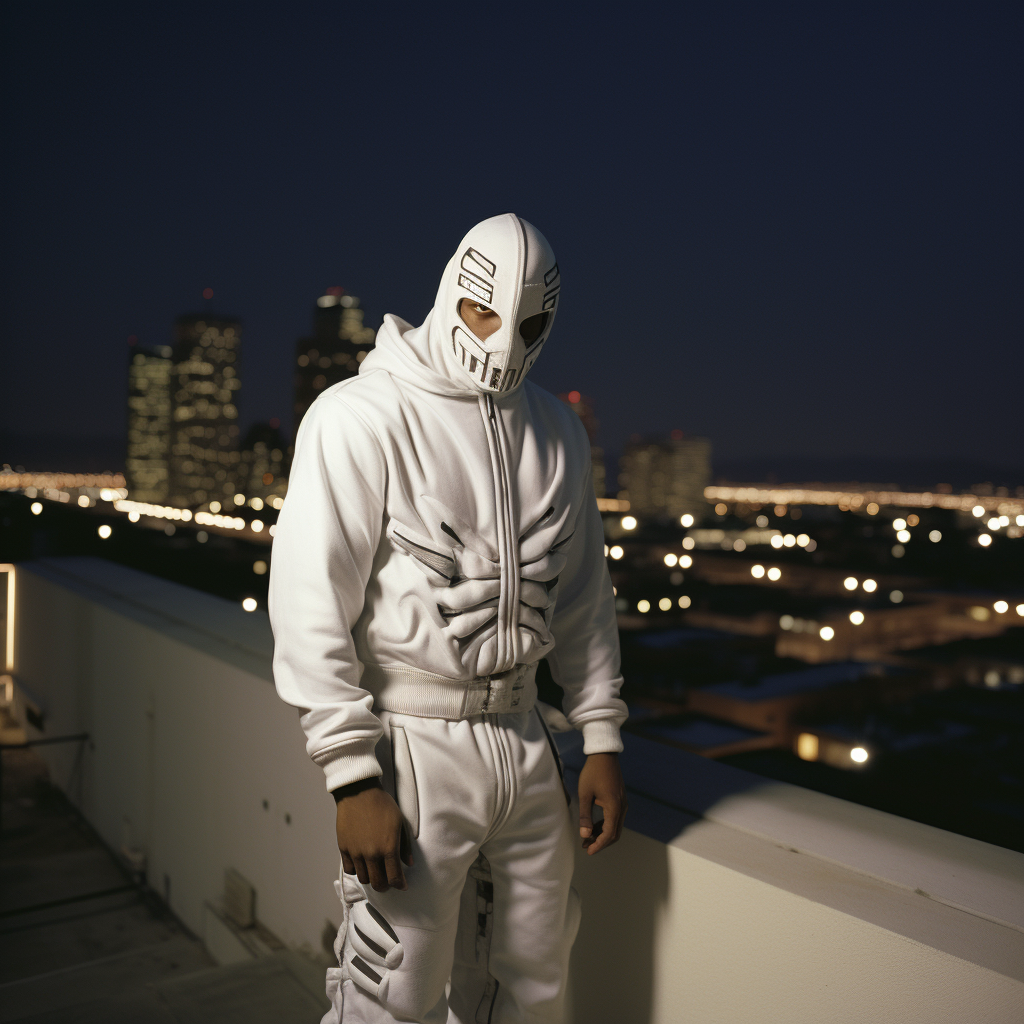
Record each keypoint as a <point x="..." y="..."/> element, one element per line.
<point x="489" y="905"/>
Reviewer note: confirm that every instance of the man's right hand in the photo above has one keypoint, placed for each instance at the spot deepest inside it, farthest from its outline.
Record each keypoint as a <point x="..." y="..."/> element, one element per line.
<point x="371" y="835"/>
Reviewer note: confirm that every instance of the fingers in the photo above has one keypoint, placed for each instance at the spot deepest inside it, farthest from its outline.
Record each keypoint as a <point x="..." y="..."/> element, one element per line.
<point x="611" y="827"/>
<point x="393" y="871"/>
<point x="381" y="871"/>
<point x="361" y="873"/>
<point x="603" y="839"/>
<point x="586" y="809"/>
<point x="377" y="873"/>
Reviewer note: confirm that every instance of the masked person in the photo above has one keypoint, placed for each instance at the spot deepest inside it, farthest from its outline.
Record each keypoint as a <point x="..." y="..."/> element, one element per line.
<point x="439" y="538"/>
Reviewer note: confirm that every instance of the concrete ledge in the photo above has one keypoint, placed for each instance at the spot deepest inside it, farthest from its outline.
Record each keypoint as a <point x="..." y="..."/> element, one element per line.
<point x="208" y="623"/>
<point x="730" y="899"/>
<point x="964" y="873"/>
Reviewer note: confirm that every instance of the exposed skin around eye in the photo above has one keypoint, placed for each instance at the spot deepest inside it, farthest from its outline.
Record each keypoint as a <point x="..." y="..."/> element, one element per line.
<point x="480" y="319"/>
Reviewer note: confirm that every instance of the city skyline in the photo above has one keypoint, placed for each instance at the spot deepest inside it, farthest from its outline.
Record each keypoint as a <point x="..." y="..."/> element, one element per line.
<point x="793" y="232"/>
<point x="338" y="322"/>
<point x="786" y="240"/>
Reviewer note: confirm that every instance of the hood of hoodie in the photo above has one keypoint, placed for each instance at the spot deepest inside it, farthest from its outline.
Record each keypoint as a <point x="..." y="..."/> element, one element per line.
<point x="505" y="264"/>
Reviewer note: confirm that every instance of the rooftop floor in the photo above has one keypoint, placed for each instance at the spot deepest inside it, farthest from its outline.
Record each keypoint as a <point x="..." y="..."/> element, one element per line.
<point x="80" y="940"/>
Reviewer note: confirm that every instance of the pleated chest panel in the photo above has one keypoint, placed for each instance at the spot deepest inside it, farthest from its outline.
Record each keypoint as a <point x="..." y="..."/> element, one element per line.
<point x="451" y="518"/>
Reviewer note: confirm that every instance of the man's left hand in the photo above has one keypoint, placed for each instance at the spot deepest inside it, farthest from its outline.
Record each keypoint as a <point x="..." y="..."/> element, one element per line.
<point x="601" y="783"/>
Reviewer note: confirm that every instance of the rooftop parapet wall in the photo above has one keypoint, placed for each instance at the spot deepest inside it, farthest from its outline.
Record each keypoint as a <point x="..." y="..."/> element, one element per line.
<point x="730" y="898"/>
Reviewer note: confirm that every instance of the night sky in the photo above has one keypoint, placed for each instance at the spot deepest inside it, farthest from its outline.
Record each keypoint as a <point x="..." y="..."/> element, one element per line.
<point x="794" y="228"/>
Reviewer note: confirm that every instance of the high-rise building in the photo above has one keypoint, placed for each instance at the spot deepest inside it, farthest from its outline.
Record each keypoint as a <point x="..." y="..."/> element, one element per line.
<point x="204" y="456"/>
<point x="666" y="477"/>
<point x="149" y="423"/>
<point x="583" y="406"/>
<point x="262" y="470"/>
<point x="339" y="344"/>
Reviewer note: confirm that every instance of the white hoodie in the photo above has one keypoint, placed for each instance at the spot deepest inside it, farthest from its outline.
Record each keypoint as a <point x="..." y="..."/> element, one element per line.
<point x="440" y="525"/>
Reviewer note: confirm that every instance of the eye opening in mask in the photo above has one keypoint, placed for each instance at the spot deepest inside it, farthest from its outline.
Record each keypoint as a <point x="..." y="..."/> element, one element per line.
<point x="533" y="327"/>
<point x="478" y="317"/>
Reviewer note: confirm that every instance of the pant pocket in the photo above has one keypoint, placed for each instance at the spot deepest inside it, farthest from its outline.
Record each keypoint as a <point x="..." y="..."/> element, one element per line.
<point x="406" y="793"/>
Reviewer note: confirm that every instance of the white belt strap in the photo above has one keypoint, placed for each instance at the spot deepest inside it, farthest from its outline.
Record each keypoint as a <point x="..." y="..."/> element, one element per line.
<point x="409" y="691"/>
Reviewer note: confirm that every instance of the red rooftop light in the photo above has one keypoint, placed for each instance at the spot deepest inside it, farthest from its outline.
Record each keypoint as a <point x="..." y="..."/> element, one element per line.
<point x="574" y="397"/>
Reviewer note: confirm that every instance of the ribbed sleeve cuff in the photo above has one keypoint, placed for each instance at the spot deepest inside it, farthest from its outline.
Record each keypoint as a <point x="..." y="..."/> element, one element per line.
<point x="601" y="737"/>
<point x="351" y="762"/>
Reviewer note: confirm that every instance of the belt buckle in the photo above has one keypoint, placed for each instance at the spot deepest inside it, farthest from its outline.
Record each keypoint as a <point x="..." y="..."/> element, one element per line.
<point x="507" y="695"/>
<point x="493" y="693"/>
<point x="518" y="684"/>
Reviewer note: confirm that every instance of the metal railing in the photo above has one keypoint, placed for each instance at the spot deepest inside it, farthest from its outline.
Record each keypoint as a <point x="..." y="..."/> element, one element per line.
<point x="78" y="737"/>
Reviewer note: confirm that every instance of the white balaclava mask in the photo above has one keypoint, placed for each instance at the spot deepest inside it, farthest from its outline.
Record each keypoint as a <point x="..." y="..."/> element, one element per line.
<point x="505" y="264"/>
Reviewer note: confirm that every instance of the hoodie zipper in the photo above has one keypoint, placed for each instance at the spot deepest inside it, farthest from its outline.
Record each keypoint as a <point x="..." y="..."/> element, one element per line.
<point x="508" y="548"/>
